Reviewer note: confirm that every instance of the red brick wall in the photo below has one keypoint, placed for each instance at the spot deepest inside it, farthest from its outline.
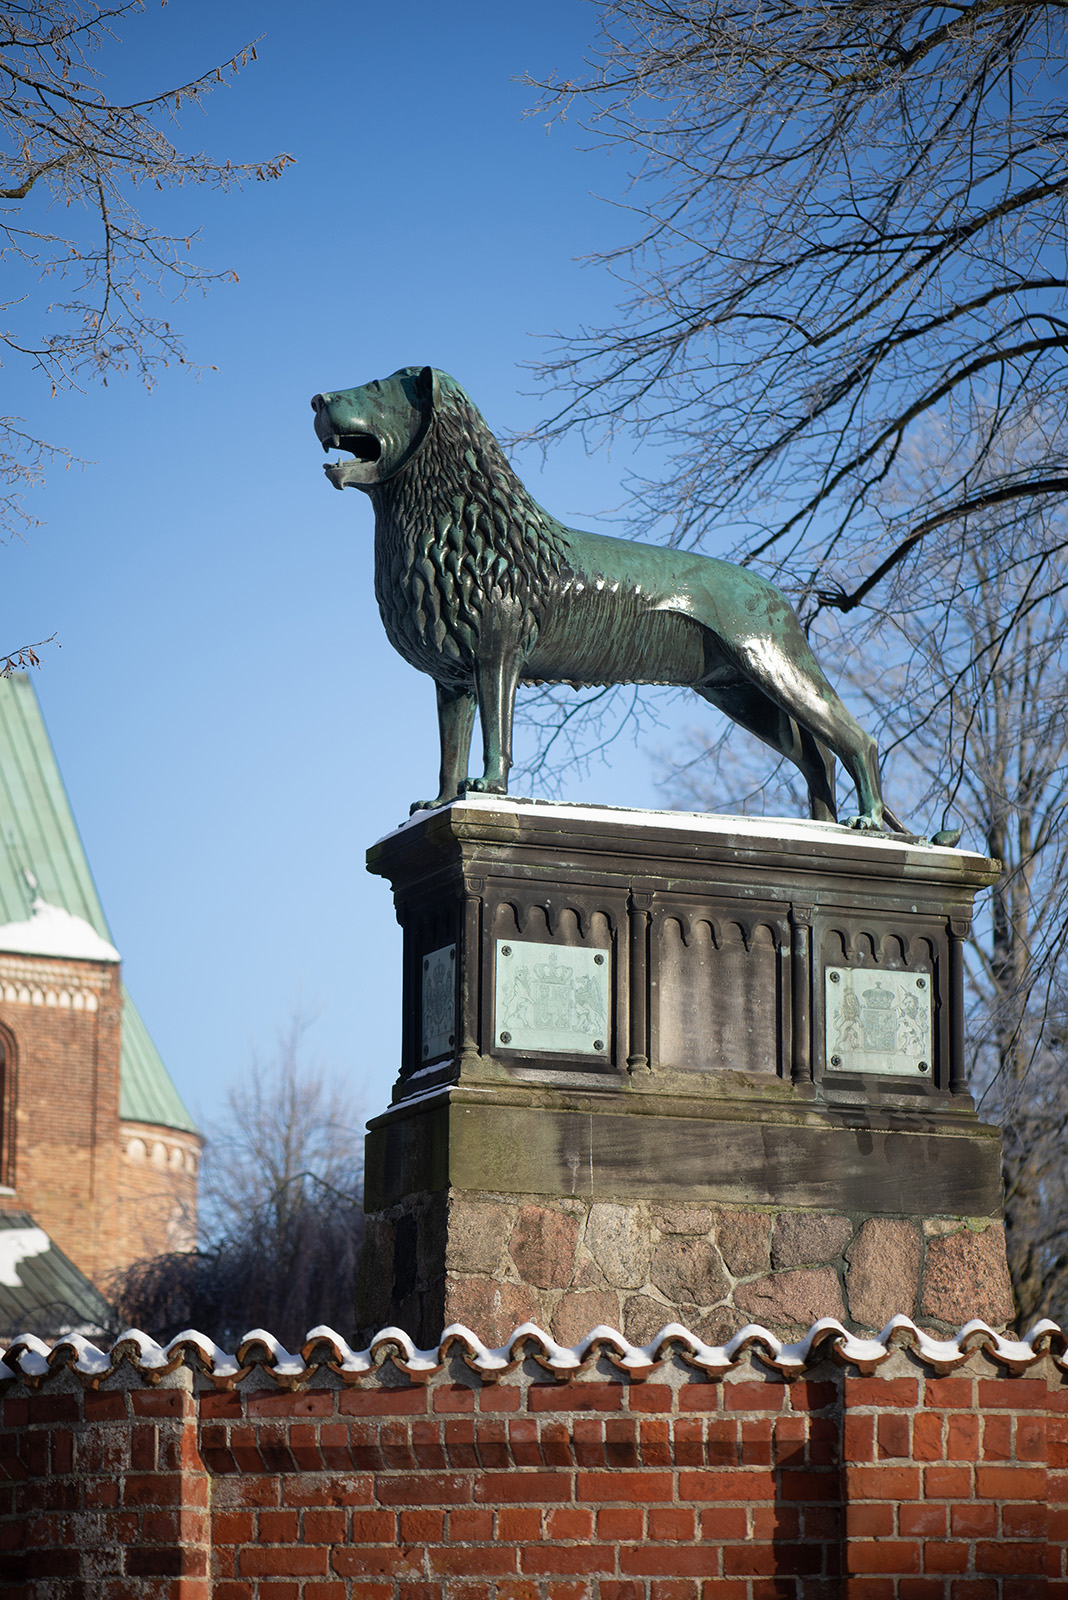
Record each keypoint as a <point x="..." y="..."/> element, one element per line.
<point x="312" y="1485"/>
<point x="105" y="1498"/>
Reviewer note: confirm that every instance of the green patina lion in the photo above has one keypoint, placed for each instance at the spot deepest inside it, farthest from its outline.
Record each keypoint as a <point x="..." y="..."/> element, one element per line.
<point x="484" y="590"/>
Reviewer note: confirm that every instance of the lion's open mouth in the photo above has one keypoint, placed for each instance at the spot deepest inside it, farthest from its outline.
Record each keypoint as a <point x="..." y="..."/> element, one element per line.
<point x="364" y="446"/>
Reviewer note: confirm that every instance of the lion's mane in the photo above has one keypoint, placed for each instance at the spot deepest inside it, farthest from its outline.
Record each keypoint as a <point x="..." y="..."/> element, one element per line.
<point x="457" y="535"/>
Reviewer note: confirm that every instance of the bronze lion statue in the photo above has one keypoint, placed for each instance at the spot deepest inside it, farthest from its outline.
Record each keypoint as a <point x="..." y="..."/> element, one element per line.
<point x="484" y="590"/>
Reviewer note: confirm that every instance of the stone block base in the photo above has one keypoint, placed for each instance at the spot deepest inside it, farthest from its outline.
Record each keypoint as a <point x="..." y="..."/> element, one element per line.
<point x="493" y="1262"/>
<point x="494" y="1203"/>
<point x="663" y="1069"/>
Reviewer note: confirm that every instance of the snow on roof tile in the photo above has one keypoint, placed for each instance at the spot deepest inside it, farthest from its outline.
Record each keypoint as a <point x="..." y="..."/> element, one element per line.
<point x="33" y="1361"/>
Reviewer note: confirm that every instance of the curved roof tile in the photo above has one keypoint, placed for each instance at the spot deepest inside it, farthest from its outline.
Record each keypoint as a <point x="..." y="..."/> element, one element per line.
<point x="34" y="1362"/>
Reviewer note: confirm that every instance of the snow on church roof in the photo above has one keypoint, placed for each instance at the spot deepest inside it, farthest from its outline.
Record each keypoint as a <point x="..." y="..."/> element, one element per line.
<point x="51" y="931"/>
<point x="40" y="836"/>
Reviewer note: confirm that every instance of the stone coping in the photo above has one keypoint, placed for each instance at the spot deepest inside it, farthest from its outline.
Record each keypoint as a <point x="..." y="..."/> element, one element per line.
<point x="710" y="824"/>
<point x="392" y="1356"/>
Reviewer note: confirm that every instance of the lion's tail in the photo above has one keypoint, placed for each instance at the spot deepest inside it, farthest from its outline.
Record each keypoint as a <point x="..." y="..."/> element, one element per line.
<point x="895" y="824"/>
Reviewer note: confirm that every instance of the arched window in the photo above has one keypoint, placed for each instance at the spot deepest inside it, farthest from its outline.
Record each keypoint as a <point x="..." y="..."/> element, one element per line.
<point x="8" y="1064"/>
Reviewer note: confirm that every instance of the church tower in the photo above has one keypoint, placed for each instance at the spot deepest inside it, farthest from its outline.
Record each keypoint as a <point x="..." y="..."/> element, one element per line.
<point x="98" y="1155"/>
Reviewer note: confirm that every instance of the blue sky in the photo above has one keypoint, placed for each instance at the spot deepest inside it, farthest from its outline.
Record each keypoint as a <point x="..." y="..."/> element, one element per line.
<point x="233" y="727"/>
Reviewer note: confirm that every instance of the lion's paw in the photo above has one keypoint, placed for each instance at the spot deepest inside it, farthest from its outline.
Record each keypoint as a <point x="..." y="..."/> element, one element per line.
<point x="866" y="823"/>
<point x="483" y="786"/>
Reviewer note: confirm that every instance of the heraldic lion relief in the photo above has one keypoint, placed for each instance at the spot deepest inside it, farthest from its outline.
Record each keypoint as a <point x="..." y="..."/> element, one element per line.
<point x="484" y="590"/>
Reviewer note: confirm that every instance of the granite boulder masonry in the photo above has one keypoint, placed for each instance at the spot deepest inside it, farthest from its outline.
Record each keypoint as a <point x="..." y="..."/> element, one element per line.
<point x="661" y="1067"/>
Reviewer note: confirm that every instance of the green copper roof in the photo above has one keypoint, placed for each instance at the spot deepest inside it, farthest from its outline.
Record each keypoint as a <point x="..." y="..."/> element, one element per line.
<point x="40" y="835"/>
<point x="42" y="1291"/>
<point x="146" y="1092"/>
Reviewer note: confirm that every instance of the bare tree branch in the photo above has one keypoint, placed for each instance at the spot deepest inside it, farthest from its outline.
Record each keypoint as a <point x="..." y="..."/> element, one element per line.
<point x="67" y="148"/>
<point x="853" y="220"/>
<point x="281" y="1212"/>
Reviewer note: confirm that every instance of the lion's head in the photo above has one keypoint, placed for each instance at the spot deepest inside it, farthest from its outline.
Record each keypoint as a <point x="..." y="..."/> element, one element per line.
<point x="380" y="424"/>
<point x="455" y="526"/>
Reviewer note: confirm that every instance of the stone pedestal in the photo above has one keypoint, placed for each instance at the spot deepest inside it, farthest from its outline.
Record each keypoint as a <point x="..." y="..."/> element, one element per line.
<point x="660" y="1067"/>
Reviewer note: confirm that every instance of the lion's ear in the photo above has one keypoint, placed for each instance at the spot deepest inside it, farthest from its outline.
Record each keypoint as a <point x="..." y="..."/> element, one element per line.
<point x="429" y="388"/>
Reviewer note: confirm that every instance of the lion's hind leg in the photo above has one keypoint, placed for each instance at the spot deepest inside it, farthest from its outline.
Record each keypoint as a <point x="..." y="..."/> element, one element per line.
<point x="782" y="666"/>
<point x="752" y="710"/>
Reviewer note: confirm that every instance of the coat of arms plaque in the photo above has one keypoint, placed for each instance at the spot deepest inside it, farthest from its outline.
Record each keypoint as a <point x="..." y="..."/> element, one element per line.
<point x="551" y="997"/>
<point x="879" y="1020"/>
<point x="439" y="1002"/>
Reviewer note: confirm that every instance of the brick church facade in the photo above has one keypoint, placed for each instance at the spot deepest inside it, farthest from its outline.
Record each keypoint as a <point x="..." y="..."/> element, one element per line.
<point x="98" y="1155"/>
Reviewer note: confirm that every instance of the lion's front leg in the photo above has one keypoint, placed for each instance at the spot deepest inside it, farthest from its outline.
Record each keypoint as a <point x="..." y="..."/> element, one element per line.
<point x="456" y="721"/>
<point x="496" y="679"/>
